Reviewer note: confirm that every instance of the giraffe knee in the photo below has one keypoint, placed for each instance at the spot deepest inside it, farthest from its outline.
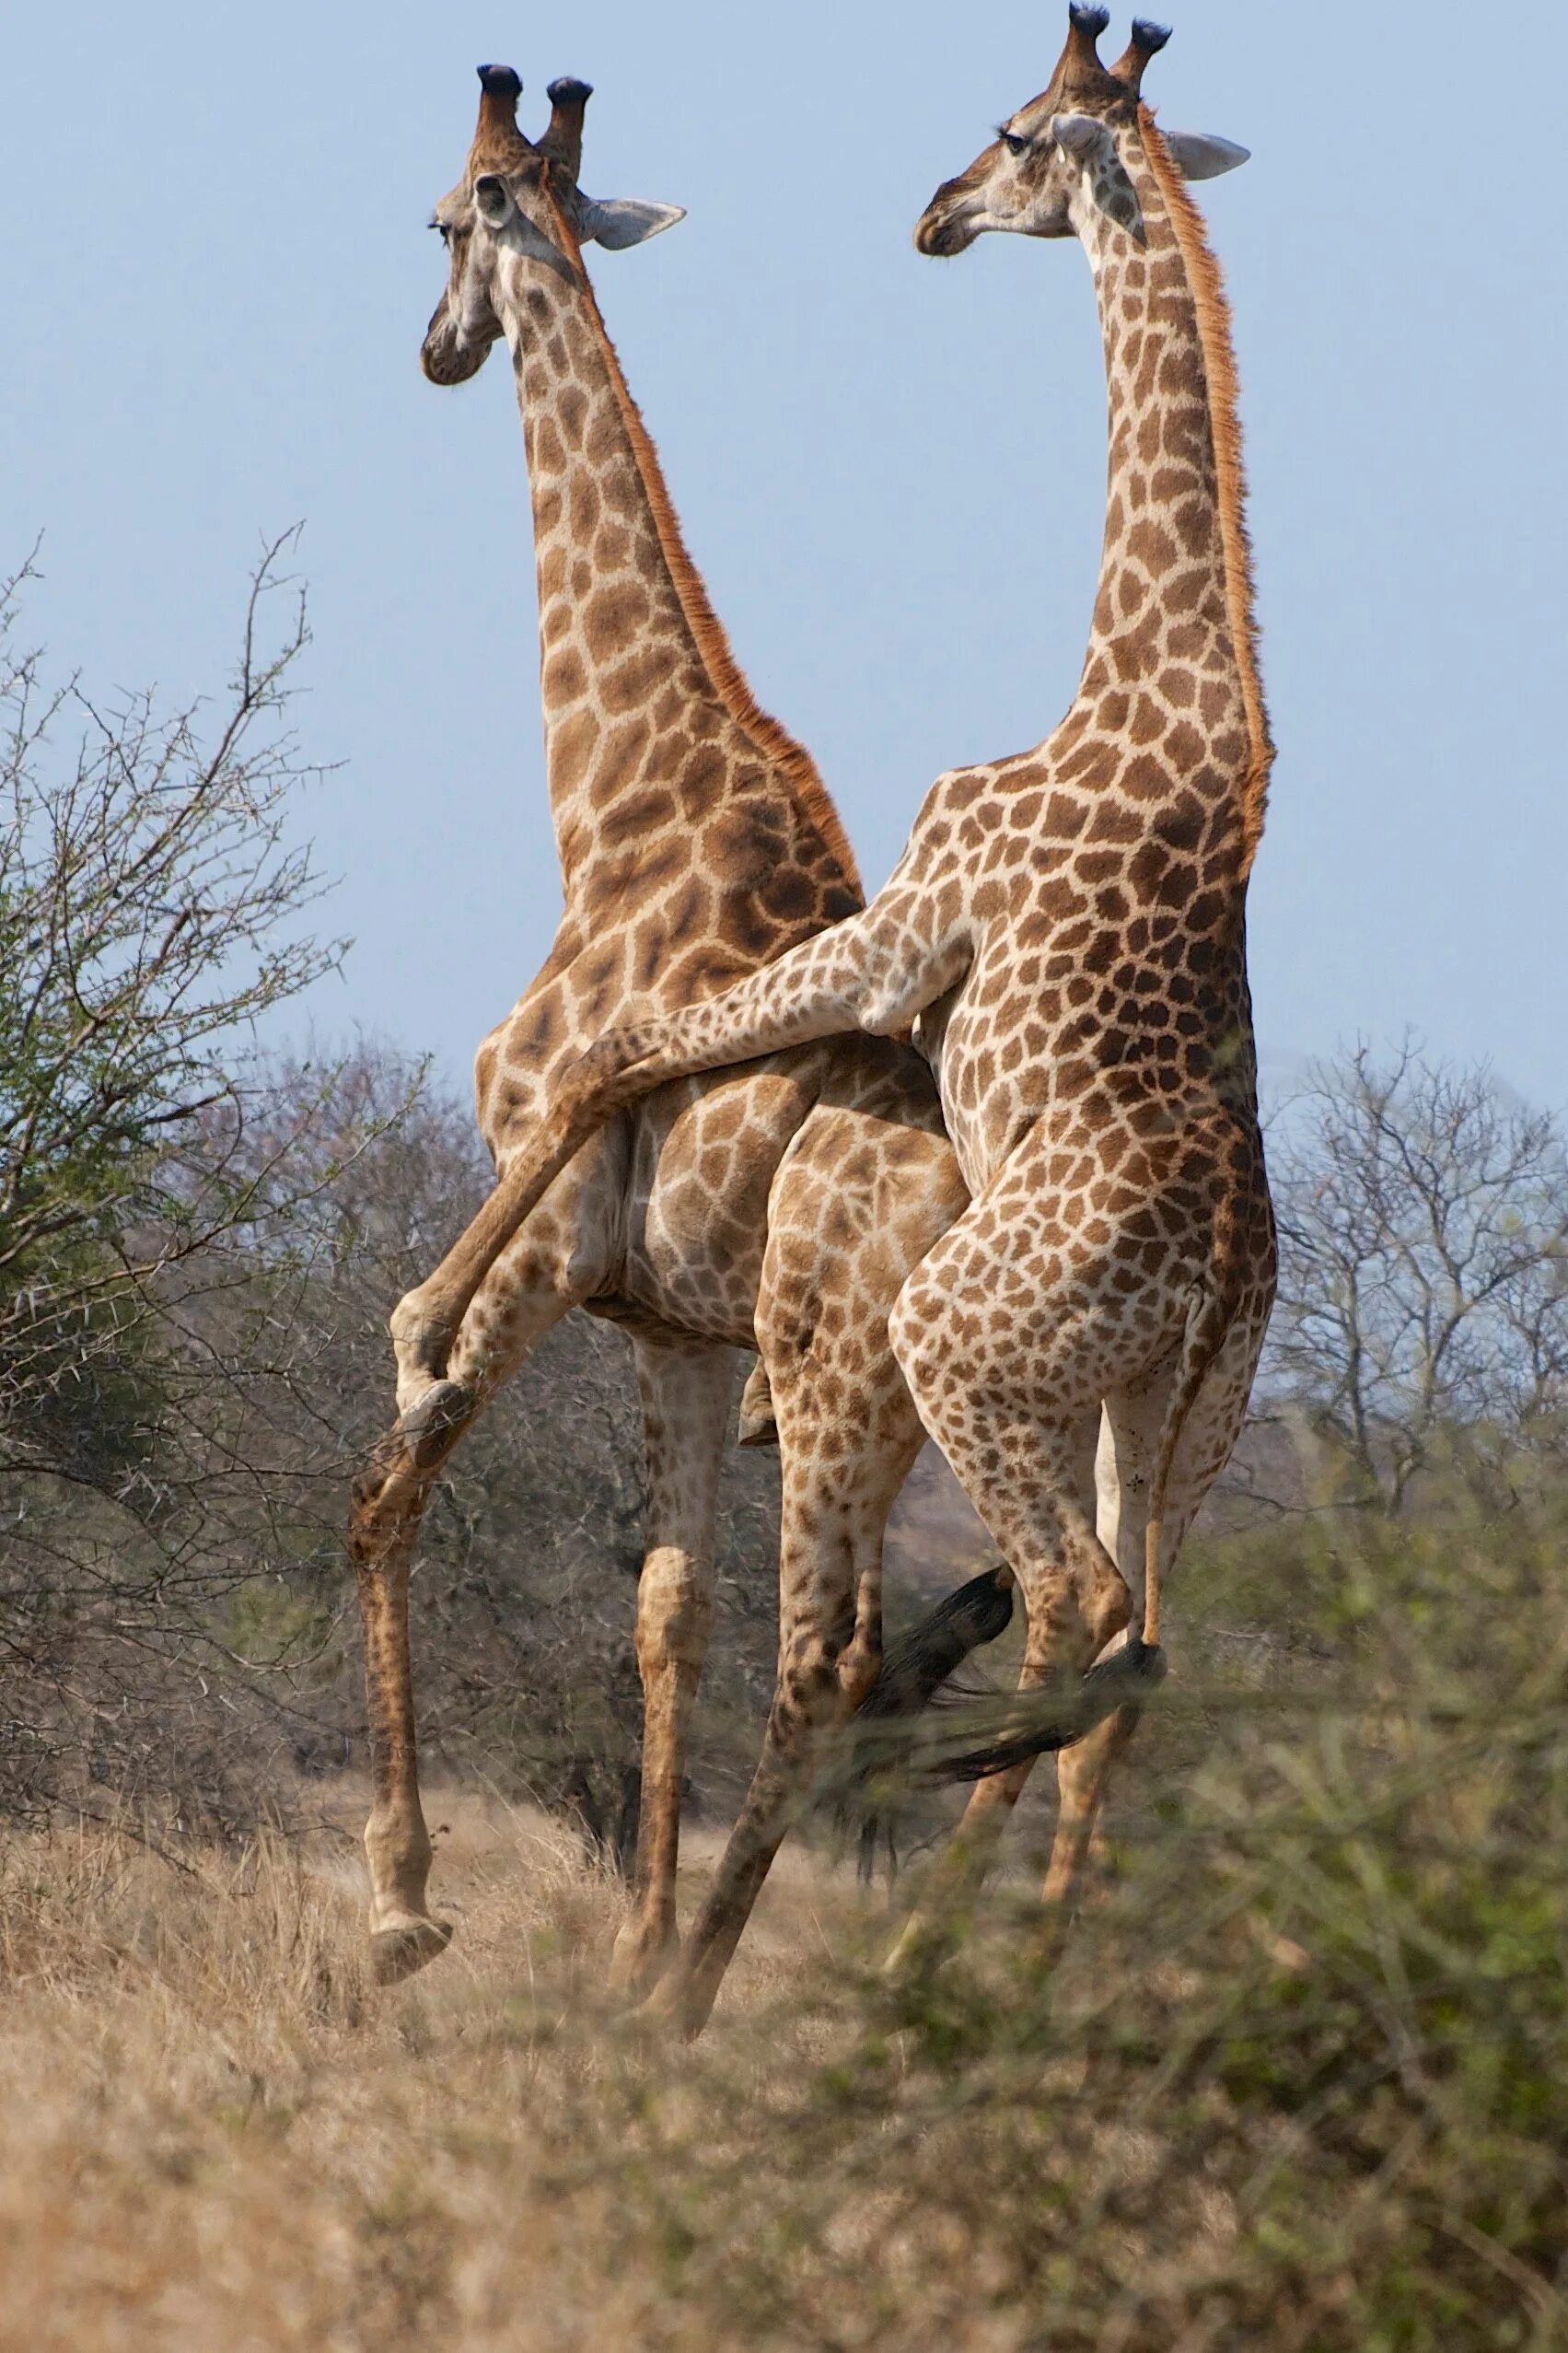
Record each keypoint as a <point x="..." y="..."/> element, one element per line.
<point x="675" y="1611"/>
<point x="811" y="1689"/>
<point x="858" y="1668"/>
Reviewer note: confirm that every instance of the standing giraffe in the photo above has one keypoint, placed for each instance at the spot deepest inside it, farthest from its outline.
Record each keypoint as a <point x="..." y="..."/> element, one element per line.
<point x="782" y="1209"/>
<point x="1067" y="930"/>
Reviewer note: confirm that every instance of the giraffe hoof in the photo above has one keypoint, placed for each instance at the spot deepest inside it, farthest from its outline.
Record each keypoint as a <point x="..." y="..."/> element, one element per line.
<point x="921" y="1947"/>
<point x="426" y="1426"/>
<point x="405" y="1947"/>
<point x="674" y="2006"/>
<point x="637" y="1966"/>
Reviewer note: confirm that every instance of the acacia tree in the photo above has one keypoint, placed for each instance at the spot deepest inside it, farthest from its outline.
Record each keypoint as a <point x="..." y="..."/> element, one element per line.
<point x="150" y="915"/>
<point x="1422" y="1319"/>
<point x="153" y="909"/>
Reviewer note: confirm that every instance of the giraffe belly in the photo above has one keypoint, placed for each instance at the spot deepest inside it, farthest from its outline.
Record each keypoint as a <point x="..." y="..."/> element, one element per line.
<point x="704" y="1155"/>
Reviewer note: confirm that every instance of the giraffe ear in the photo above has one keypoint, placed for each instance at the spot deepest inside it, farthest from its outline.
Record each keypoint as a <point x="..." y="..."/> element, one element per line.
<point x="624" y="221"/>
<point x="493" y="200"/>
<point x="1198" y="155"/>
<point x="1088" y="142"/>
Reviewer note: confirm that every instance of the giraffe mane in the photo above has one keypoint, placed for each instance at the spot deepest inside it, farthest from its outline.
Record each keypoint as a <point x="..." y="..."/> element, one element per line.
<point x="1213" y="307"/>
<point x="773" y="741"/>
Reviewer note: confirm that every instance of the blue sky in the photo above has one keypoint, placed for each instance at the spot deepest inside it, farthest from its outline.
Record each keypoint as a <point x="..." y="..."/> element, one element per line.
<point x="892" y="471"/>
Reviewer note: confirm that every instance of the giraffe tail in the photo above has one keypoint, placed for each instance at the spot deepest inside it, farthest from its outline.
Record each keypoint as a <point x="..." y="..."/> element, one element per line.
<point x="915" y="1667"/>
<point x="1210" y="1312"/>
<point x="913" y="1673"/>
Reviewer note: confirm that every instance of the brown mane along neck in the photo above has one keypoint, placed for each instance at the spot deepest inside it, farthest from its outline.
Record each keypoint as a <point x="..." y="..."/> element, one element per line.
<point x="773" y="741"/>
<point x="1212" y="310"/>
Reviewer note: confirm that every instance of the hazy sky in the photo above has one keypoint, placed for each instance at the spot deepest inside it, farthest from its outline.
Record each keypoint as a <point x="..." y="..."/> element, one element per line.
<point x="892" y="471"/>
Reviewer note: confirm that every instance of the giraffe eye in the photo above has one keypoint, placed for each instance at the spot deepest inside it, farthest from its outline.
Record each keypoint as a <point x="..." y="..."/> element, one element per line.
<point x="1014" y="145"/>
<point x="442" y="231"/>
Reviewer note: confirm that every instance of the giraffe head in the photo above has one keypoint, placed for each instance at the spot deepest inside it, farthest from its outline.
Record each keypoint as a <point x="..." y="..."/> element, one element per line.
<point x="1057" y="163"/>
<point x="517" y="203"/>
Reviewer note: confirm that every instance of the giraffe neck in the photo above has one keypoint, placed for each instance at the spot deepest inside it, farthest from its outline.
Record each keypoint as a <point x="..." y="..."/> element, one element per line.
<point x="648" y="721"/>
<point x="1173" y="611"/>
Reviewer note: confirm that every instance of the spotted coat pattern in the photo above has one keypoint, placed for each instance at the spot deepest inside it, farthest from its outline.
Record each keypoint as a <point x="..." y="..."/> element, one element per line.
<point x="1067" y="927"/>
<point x="782" y="1207"/>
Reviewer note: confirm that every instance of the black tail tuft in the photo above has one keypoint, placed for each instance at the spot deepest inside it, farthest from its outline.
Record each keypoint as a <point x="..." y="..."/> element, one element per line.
<point x="913" y="1672"/>
<point x="1042" y="1723"/>
<point x="919" y="1662"/>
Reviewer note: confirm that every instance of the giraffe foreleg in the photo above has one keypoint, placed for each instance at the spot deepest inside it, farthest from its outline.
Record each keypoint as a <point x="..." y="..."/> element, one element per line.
<point x="686" y="1390"/>
<point x="404" y="1933"/>
<point x="549" y="1269"/>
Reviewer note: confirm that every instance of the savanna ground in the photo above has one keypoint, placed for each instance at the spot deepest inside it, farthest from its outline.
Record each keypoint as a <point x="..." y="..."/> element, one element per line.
<point x="1300" y="2082"/>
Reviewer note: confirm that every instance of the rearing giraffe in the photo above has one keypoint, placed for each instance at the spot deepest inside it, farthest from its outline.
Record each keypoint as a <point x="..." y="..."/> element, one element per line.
<point x="780" y="1208"/>
<point x="1067" y="928"/>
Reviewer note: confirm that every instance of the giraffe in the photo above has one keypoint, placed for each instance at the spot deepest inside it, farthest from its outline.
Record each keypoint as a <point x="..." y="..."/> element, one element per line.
<point x="1067" y="932"/>
<point x="782" y="1207"/>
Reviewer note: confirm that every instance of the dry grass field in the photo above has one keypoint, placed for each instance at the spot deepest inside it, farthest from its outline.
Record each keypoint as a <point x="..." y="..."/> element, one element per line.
<point x="1301" y="2082"/>
<point x="218" y="2134"/>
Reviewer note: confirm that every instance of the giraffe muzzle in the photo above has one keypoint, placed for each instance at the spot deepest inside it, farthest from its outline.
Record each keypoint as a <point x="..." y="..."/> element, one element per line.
<point x="948" y="226"/>
<point x="448" y="355"/>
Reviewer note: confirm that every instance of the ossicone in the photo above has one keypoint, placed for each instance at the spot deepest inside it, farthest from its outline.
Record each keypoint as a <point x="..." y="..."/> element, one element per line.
<point x="497" y="140"/>
<point x="562" y="140"/>
<point x="1080" y="73"/>
<point x="1148" y="42"/>
<point x="1088" y="22"/>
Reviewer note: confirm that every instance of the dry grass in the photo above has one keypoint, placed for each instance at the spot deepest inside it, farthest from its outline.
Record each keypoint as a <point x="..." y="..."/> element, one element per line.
<point x="1301" y="2083"/>
<point x="218" y="2134"/>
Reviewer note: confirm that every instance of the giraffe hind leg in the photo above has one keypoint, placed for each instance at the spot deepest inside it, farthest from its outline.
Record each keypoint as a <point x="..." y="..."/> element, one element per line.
<point x="1006" y="1350"/>
<point x="848" y="1436"/>
<point x="836" y="1511"/>
<point x="1134" y="1418"/>
<point x="686" y="1390"/>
